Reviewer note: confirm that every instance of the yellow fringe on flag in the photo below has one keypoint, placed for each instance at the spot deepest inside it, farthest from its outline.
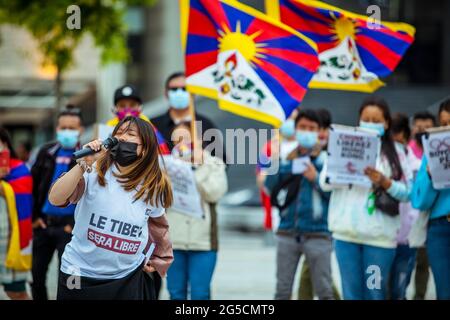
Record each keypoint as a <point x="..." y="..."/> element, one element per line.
<point x="14" y="258"/>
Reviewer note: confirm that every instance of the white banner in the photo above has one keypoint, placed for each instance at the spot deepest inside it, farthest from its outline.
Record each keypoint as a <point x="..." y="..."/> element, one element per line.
<point x="350" y="151"/>
<point x="186" y="198"/>
<point x="436" y="144"/>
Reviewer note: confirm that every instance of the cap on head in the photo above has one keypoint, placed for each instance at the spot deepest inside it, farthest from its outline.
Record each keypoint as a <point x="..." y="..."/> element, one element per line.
<point x="127" y="92"/>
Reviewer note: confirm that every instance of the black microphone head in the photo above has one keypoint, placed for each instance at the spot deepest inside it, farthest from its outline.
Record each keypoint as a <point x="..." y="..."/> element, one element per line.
<point x="110" y="142"/>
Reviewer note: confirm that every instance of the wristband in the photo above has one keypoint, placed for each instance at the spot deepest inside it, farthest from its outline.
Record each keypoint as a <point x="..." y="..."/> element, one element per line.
<point x="84" y="166"/>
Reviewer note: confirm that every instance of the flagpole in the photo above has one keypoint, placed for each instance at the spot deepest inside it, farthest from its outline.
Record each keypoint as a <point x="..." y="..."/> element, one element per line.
<point x="272" y="8"/>
<point x="193" y="126"/>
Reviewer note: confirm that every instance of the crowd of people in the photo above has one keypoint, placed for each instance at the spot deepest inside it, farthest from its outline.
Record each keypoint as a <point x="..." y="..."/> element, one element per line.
<point x="101" y="213"/>
<point x="377" y="245"/>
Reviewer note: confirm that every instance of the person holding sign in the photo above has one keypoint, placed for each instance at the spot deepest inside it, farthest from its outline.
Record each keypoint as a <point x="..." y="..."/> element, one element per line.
<point x="303" y="207"/>
<point x="194" y="237"/>
<point x="121" y="194"/>
<point x="364" y="222"/>
<point x="425" y="196"/>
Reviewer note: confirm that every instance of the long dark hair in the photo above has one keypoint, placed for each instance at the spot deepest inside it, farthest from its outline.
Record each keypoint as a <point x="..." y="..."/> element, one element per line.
<point x="6" y="139"/>
<point x="145" y="175"/>
<point x="387" y="143"/>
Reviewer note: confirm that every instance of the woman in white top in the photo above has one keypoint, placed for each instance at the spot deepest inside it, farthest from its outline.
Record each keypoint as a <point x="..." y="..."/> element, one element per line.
<point x="194" y="237"/>
<point x="364" y="233"/>
<point x="119" y="218"/>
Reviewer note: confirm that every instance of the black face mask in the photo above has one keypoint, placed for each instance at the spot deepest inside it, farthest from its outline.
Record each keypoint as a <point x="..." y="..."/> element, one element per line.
<point x="124" y="153"/>
<point x="418" y="136"/>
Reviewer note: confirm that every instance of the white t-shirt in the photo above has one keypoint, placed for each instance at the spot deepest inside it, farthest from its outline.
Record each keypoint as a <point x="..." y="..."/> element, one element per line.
<point x="110" y="232"/>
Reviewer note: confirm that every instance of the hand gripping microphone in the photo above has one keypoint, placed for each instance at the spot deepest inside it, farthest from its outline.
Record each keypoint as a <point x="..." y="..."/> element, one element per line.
<point x="108" y="144"/>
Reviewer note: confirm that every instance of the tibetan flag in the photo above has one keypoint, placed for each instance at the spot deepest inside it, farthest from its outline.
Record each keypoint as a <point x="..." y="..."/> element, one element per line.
<point x="252" y="64"/>
<point x="355" y="51"/>
<point x="18" y="186"/>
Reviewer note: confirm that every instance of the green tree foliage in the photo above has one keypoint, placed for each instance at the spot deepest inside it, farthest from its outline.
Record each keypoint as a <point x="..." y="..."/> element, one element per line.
<point x="46" y="20"/>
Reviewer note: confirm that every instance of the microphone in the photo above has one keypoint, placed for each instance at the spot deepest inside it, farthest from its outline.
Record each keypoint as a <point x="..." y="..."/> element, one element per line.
<point x="108" y="144"/>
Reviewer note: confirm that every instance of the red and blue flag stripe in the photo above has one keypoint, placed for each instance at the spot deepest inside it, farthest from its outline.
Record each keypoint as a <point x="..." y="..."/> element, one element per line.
<point x="380" y="48"/>
<point x="285" y="60"/>
<point x="22" y="184"/>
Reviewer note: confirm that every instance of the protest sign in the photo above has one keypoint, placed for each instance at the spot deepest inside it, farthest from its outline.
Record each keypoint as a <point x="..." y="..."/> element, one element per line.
<point x="436" y="144"/>
<point x="299" y="165"/>
<point x="186" y="198"/>
<point x="350" y="151"/>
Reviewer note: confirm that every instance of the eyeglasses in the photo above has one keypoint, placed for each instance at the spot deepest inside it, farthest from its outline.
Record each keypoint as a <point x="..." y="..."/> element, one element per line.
<point x="176" y="88"/>
<point x="70" y="112"/>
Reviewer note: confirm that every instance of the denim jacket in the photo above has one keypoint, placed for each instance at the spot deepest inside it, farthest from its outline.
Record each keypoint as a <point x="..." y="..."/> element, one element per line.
<point x="309" y="211"/>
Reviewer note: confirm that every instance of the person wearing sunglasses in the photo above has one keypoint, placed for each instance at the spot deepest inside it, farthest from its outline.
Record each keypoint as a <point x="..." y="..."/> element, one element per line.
<point x="178" y="99"/>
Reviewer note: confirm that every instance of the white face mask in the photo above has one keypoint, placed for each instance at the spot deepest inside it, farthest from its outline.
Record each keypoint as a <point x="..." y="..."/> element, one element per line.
<point x="378" y="127"/>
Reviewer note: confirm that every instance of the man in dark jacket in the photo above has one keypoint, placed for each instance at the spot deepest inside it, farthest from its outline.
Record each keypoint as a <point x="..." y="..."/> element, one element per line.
<point x="52" y="225"/>
<point x="178" y="112"/>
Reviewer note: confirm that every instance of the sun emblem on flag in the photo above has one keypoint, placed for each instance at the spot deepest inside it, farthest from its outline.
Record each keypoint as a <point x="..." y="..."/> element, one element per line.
<point x="245" y="43"/>
<point x="232" y="81"/>
<point x="343" y="28"/>
<point x="343" y="65"/>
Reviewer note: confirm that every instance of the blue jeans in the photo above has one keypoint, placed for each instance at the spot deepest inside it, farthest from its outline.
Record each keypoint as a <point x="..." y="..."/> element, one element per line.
<point x="438" y="250"/>
<point x="364" y="270"/>
<point x="194" y="269"/>
<point x="402" y="268"/>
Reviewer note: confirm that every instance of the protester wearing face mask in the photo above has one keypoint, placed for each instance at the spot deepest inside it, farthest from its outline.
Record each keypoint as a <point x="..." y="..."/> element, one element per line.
<point x="195" y="239"/>
<point x="52" y="225"/>
<point x="303" y="213"/>
<point x="412" y="232"/>
<point x="305" y="288"/>
<point x="421" y="122"/>
<point x="437" y="202"/>
<point x="179" y="99"/>
<point x="365" y="235"/>
<point x="128" y="102"/>
<point x="121" y="196"/>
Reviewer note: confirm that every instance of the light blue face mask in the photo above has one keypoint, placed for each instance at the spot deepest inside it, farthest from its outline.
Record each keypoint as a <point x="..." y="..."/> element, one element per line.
<point x="378" y="127"/>
<point x="68" y="138"/>
<point x="307" y="139"/>
<point x="178" y="99"/>
<point x="287" y="129"/>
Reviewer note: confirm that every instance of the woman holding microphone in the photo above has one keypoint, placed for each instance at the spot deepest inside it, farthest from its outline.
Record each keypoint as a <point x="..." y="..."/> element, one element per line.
<point x="121" y="197"/>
